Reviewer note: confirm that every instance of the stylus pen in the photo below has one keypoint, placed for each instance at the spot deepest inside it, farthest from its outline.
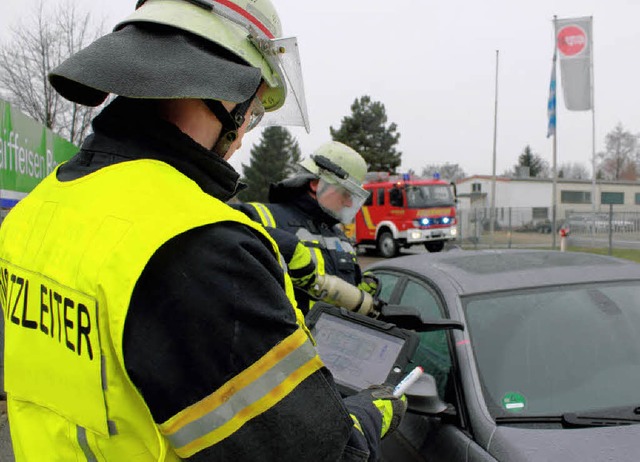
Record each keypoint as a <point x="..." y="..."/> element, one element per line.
<point x="409" y="380"/>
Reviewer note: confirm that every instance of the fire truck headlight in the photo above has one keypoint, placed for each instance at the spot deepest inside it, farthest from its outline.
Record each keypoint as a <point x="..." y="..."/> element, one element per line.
<point x="416" y="235"/>
<point x="454" y="231"/>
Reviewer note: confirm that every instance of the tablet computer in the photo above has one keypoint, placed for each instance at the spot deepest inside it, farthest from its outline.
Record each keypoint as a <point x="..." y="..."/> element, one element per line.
<point x="358" y="350"/>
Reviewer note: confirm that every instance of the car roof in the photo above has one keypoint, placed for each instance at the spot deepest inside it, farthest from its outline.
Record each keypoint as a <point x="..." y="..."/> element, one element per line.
<point x="508" y="269"/>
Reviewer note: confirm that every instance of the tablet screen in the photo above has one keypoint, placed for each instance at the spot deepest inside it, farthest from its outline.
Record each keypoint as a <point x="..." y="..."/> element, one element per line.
<point x="358" y="356"/>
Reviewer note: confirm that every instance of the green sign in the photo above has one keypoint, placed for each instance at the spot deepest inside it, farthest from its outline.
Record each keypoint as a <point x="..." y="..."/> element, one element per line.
<point x="612" y="198"/>
<point x="514" y="402"/>
<point x="28" y="152"/>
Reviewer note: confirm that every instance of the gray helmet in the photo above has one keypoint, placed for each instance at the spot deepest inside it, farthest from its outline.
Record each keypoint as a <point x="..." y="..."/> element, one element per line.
<point x="140" y="65"/>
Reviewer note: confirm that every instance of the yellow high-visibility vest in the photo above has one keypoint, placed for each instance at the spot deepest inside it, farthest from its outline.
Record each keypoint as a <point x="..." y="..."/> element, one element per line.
<point x="70" y="256"/>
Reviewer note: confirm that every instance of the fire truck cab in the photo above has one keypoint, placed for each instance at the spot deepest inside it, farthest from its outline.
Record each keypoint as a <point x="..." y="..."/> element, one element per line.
<point x="402" y="211"/>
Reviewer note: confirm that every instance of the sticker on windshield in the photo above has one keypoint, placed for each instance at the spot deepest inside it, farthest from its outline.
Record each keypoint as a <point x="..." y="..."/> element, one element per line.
<point x="514" y="402"/>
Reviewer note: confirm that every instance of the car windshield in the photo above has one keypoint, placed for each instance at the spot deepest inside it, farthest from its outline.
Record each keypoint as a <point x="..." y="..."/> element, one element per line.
<point x="551" y="351"/>
<point x="429" y="196"/>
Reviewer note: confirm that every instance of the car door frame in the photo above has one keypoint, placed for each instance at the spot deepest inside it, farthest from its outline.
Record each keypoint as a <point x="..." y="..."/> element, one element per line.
<point x="444" y="438"/>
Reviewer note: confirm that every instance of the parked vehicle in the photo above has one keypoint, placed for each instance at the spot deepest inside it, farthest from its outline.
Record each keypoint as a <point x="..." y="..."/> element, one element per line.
<point x="546" y="368"/>
<point x="403" y="211"/>
<point x="546" y="226"/>
<point x="599" y="223"/>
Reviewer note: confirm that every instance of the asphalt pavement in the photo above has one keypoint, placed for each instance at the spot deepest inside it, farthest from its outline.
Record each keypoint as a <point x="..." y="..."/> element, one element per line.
<point x="6" y="450"/>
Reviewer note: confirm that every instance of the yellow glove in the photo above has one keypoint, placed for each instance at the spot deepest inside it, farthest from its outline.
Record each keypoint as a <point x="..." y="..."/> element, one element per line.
<point x="370" y="283"/>
<point x="391" y="408"/>
<point x="302" y="268"/>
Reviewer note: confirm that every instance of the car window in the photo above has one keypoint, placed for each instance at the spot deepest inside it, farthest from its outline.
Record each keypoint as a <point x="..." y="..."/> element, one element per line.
<point x="419" y="296"/>
<point x="552" y="351"/>
<point x="433" y="351"/>
<point x="395" y="197"/>
<point x="387" y="284"/>
<point x="369" y="199"/>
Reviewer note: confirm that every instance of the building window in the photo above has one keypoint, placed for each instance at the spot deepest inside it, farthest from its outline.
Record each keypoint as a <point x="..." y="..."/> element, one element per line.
<point x="540" y="213"/>
<point x="612" y="198"/>
<point x="476" y="187"/>
<point x="575" y="197"/>
<point x="637" y="198"/>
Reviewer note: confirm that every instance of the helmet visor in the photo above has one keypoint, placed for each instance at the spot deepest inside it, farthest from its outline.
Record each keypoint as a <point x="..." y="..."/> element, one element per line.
<point x="341" y="200"/>
<point x="283" y="57"/>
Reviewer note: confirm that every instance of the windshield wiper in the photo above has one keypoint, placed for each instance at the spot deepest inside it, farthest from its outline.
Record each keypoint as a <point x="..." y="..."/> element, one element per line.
<point x="613" y="416"/>
<point x="529" y="419"/>
<point x="607" y="417"/>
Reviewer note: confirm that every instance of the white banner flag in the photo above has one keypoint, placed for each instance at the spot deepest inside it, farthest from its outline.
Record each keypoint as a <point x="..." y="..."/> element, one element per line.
<point x="573" y="39"/>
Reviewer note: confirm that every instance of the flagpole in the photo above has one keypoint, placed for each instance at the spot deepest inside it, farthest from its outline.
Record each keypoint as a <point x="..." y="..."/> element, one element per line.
<point x="593" y="143"/>
<point x="593" y="128"/>
<point x="492" y="213"/>
<point x="552" y="130"/>
<point x="554" y="188"/>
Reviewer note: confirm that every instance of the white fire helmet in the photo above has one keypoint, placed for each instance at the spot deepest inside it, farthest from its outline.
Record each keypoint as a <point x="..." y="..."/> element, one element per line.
<point x="341" y="171"/>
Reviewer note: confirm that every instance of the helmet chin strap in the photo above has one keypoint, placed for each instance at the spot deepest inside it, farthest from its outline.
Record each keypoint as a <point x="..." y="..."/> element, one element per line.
<point x="231" y="122"/>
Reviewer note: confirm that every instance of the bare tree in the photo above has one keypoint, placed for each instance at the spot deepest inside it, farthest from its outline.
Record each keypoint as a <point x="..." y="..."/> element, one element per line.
<point x="446" y="171"/>
<point x="573" y="170"/>
<point x="36" y="46"/>
<point x="618" y="160"/>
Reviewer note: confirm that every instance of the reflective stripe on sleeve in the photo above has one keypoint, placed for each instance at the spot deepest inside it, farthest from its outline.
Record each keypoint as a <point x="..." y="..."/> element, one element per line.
<point x="266" y="217"/>
<point x="386" y="410"/>
<point x="318" y="260"/>
<point x="249" y="394"/>
<point x="356" y="423"/>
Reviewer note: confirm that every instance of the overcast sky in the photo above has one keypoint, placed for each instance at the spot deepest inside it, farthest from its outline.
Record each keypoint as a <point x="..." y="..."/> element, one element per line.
<point x="433" y="66"/>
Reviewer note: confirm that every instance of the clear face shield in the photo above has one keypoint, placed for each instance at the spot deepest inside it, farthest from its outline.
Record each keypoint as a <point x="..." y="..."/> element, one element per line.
<point x="341" y="199"/>
<point x="283" y="57"/>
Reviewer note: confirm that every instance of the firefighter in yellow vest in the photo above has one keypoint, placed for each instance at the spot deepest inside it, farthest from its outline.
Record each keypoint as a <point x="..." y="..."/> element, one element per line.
<point x="145" y="319"/>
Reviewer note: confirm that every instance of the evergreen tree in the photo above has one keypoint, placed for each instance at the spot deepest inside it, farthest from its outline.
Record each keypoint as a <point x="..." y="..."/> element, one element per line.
<point x="538" y="167"/>
<point x="365" y="130"/>
<point x="272" y="159"/>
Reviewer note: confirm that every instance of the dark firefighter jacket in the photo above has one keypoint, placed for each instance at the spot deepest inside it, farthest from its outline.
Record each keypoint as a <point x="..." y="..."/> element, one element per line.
<point x="292" y="209"/>
<point x="210" y="305"/>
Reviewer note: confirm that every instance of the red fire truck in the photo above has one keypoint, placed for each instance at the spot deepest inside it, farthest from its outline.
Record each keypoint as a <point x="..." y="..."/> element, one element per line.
<point x="402" y="211"/>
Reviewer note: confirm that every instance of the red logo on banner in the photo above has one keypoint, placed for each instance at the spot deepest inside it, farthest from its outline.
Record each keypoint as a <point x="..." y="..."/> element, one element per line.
<point x="572" y="40"/>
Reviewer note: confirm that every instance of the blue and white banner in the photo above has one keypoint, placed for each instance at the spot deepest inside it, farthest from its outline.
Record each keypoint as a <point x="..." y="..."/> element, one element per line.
<point x="551" y="103"/>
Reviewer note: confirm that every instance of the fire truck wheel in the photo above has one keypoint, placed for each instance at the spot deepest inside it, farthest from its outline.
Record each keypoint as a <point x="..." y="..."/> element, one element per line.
<point x="435" y="246"/>
<point x="387" y="245"/>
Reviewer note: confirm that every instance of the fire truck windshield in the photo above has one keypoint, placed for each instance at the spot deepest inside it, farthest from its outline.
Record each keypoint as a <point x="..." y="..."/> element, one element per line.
<point x="429" y="196"/>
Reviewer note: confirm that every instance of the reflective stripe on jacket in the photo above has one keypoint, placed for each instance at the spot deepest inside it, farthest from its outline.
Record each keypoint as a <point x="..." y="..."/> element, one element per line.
<point x="70" y="256"/>
<point x="330" y="248"/>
